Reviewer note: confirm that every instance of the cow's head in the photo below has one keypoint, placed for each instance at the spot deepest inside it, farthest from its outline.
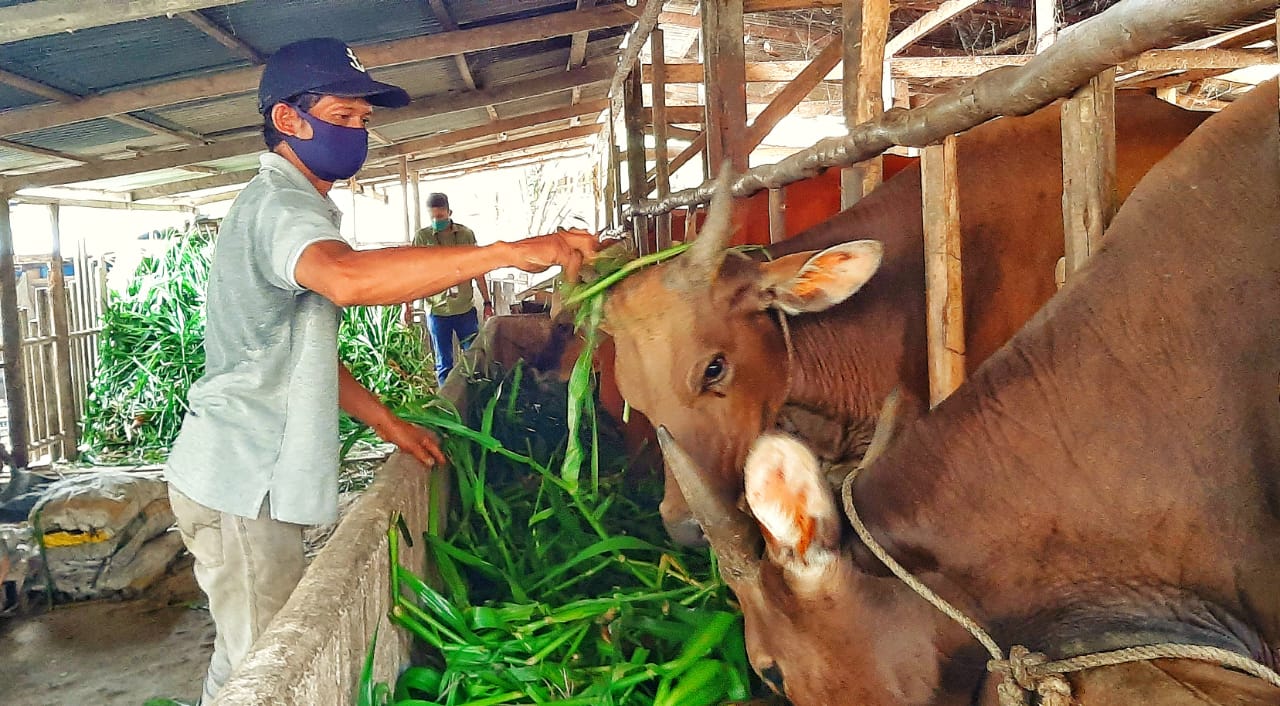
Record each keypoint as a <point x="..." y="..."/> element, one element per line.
<point x="819" y="629"/>
<point x="701" y="351"/>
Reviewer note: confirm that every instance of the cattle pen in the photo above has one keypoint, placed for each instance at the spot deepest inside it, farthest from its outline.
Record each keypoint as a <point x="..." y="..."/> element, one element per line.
<point x="496" y="84"/>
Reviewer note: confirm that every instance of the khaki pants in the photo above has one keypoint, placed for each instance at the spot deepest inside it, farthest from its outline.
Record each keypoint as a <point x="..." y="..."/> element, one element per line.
<point x="246" y="567"/>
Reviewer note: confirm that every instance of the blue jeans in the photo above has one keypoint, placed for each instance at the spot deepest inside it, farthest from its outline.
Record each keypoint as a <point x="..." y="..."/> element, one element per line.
<point x="443" y="329"/>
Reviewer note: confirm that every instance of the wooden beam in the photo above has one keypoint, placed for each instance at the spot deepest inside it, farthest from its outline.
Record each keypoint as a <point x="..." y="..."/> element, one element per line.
<point x="758" y="30"/>
<point x="684" y="114"/>
<point x="392" y="53"/>
<point x="42" y="18"/>
<point x="866" y="26"/>
<point x="65" y="386"/>
<point x="931" y="21"/>
<point x="944" y="303"/>
<point x="186" y="186"/>
<point x="792" y="94"/>
<point x="237" y="46"/>
<point x="15" y="392"/>
<point x="98" y="203"/>
<point x="756" y="72"/>
<point x="777" y="5"/>
<point x="566" y="151"/>
<point x="578" y="41"/>
<point x="453" y="102"/>
<point x="661" y="165"/>
<point x="497" y="127"/>
<point x="460" y="156"/>
<point x="36" y="88"/>
<point x="722" y="28"/>
<point x="1089" y="191"/>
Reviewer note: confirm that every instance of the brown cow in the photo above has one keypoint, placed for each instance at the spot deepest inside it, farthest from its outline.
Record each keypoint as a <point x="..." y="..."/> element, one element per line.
<point x="1110" y="478"/>
<point x="700" y="351"/>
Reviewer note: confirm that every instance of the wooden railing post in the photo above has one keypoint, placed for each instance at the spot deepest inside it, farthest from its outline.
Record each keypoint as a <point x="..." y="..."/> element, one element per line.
<point x="59" y="304"/>
<point x="944" y="302"/>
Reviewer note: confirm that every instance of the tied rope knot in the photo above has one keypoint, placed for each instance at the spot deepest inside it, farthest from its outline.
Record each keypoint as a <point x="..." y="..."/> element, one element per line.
<point x="1024" y="672"/>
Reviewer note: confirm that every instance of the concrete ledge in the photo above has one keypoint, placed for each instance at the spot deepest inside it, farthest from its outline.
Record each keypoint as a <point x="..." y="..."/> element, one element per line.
<point x="313" y="652"/>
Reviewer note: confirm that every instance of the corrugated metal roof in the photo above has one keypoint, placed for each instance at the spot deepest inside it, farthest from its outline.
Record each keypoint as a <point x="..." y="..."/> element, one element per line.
<point x="11" y="97"/>
<point x="268" y="25"/>
<point x="81" y="136"/>
<point x="104" y="58"/>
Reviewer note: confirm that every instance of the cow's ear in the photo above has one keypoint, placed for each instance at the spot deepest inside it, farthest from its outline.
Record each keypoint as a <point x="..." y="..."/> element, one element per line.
<point x="793" y="503"/>
<point x="807" y="283"/>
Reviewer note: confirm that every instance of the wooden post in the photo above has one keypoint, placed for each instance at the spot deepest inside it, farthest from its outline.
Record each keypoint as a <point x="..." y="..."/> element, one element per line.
<point x="404" y="193"/>
<point x="725" y="67"/>
<point x="1089" y="192"/>
<point x="901" y="93"/>
<point x="15" y="393"/>
<point x="606" y="166"/>
<point x="944" y="303"/>
<point x="58" y="302"/>
<point x="777" y="220"/>
<point x="866" y="28"/>
<point x="416" y="195"/>
<point x="633" y="110"/>
<point x="1046" y="24"/>
<point x="661" y="165"/>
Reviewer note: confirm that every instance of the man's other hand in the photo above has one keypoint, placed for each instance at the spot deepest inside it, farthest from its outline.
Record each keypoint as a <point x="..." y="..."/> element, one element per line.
<point x="569" y="248"/>
<point x="413" y="440"/>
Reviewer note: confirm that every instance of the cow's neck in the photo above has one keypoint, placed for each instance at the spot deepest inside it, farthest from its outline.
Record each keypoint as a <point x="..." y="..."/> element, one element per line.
<point x="847" y="360"/>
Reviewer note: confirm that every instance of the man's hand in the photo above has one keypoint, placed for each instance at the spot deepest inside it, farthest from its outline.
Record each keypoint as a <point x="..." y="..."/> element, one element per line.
<point x="569" y="248"/>
<point x="413" y="440"/>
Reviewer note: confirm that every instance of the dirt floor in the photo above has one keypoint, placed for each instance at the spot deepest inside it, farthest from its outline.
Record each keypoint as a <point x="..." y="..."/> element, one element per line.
<point x="110" y="653"/>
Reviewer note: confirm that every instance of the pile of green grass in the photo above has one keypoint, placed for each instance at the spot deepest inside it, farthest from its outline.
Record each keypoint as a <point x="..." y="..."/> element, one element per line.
<point x="556" y="588"/>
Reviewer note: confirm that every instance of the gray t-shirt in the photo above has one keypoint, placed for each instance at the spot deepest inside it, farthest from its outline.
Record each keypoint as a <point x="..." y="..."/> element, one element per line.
<point x="263" y="420"/>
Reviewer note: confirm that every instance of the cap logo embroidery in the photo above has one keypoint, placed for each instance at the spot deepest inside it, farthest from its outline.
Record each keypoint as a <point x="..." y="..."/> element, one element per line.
<point x="355" y="63"/>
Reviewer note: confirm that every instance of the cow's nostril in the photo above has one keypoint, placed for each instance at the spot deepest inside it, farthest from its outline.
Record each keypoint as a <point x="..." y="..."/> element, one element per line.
<point x="773" y="677"/>
<point x="687" y="533"/>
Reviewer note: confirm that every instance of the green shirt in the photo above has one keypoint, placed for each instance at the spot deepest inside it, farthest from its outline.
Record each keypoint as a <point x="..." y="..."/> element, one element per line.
<point x="458" y="299"/>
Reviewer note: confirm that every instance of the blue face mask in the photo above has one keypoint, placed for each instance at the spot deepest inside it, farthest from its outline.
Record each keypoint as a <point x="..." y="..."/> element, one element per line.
<point x="334" y="152"/>
<point x="440" y="223"/>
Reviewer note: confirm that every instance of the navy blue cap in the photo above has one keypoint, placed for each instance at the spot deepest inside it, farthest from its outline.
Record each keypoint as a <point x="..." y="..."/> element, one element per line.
<point x="326" y="66"/>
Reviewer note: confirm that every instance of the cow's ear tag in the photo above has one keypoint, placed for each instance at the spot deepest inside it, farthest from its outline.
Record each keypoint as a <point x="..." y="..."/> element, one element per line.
<point x="793" y="503"/>
<point x="824" y="280"/>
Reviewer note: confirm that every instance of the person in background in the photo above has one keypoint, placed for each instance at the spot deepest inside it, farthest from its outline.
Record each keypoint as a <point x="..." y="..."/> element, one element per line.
<point x="453" y="311"/>
<point x="257" y="457"/>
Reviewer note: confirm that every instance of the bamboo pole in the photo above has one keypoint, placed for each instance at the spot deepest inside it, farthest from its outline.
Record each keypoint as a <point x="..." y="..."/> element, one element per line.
<point x="944" y="303"/>
<point x="1089" y="192"/>
<point x="15" y="393"/>
<point x="59" y="305"/>
<point x="661" y="162"/>
<point x="404" y="195"/>
<point x="1118" y="34"/>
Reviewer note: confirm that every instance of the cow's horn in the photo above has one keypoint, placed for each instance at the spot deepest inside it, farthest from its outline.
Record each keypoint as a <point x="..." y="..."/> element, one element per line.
<point x="704" y="257"/>
<point x="734" y="536"/>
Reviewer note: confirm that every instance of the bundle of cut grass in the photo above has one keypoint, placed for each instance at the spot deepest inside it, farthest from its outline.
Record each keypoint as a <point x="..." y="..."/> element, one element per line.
<point x="556" y="591"/>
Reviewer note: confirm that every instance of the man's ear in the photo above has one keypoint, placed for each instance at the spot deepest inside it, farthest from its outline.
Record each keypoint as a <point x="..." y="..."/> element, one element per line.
<point x="807" y="282"/>
<point x="287" y="121"/>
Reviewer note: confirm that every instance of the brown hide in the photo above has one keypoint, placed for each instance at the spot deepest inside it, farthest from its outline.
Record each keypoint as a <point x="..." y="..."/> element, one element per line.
<point x="1108" y="479"/>
<point x="848" y="358"/>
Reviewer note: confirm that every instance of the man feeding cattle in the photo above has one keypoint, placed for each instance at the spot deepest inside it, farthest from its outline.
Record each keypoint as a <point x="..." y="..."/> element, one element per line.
<point x="257" y="457"/>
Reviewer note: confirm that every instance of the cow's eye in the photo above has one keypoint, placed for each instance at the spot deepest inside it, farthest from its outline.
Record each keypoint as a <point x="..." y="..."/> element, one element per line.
<point x="714" y="372"/>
